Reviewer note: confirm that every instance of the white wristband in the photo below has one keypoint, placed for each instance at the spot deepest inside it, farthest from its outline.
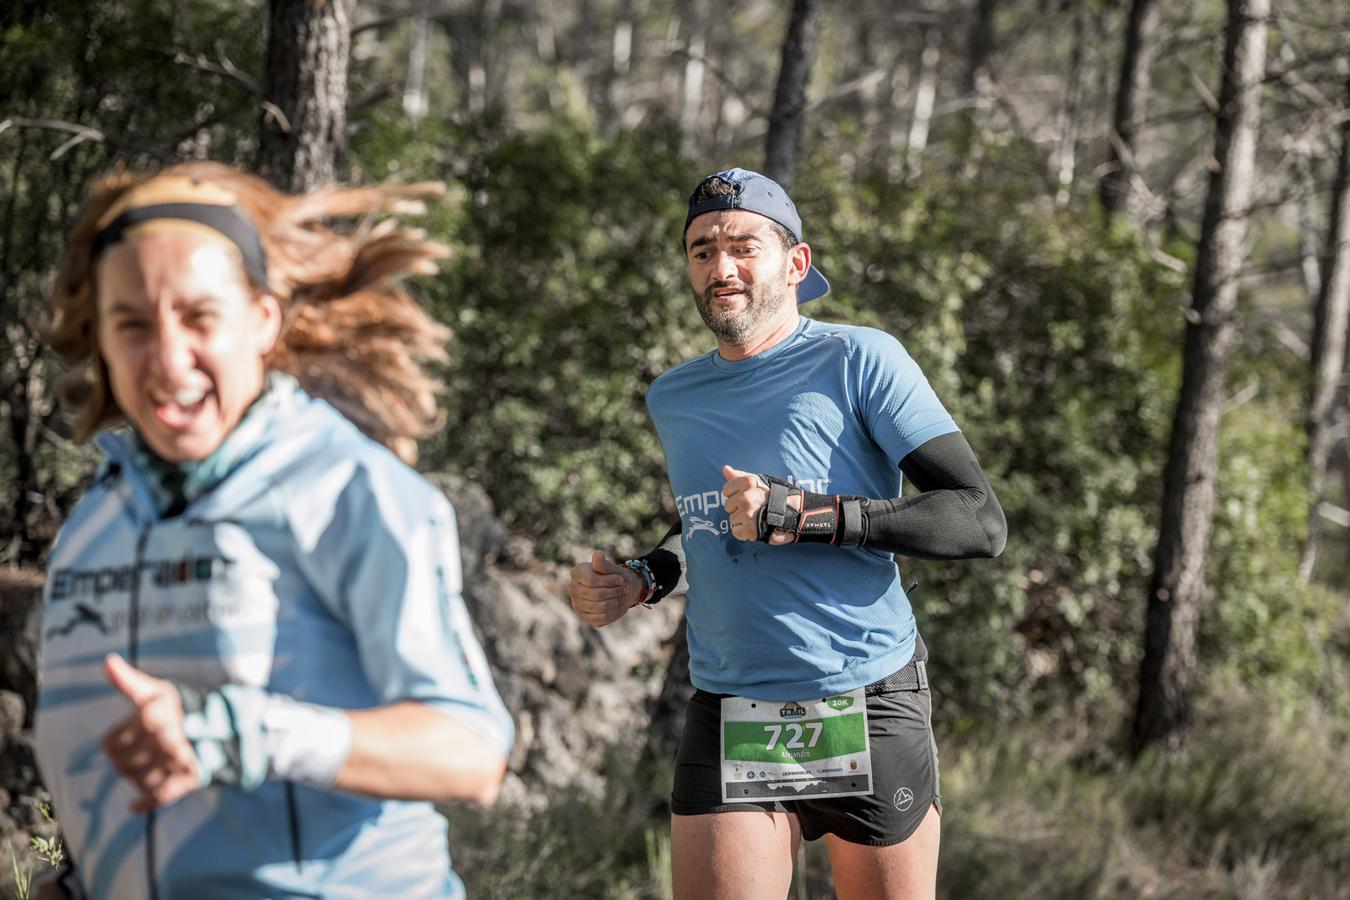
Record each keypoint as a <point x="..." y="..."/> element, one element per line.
<point x="306" y="743"/>
<point x="243" y="735"/>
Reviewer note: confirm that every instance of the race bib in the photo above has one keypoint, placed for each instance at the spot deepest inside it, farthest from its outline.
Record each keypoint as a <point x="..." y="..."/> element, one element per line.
<point x="796" y="750"/>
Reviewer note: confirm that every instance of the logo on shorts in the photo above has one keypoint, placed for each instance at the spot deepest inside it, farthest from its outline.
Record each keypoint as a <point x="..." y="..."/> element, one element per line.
<point x="904" y="799"/>
<point x="792" y="710"/>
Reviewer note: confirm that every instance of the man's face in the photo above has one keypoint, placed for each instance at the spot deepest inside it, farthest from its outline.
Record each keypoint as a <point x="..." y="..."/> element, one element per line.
<point x="742" y="277"/>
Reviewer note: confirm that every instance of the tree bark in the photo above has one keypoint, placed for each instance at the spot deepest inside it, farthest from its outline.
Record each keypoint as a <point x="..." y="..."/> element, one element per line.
<point x="303" y="125"/>
<point x="1136" y="68"/>
<point x="789" y="97"/>
<point x="620" y="60"/>
<point x="1330" y="319"/>
<point x="1168" y="668"/>
<point x="925" y="97"/>
<point x="1310" y="264"/>
<point x="414" y="86"/>
<point x="691" y="88"/>
<point x="976" y="89"/>
<point x="1067" y="155"/>
<point x="981" y="48"/>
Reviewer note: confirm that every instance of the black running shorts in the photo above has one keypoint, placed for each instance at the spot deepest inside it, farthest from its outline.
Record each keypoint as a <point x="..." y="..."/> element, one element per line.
<point x="904" y="767"/>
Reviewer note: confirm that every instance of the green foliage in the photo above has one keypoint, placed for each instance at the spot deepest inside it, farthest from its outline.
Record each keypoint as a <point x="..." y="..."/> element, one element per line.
<point x="567" y="297"/>
<point x="23" y="878"/>
<point x="1257" y="805"/>
<point x="49" y="849"/>
<point x="574" y="845"/>
<point x="100" y="66"/>
<point x="1258" y="778"/>
<point x="1052" y="339"/>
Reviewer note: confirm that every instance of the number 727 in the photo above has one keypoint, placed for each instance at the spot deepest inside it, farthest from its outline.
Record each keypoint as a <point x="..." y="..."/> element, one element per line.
<point x="795" y="731"/>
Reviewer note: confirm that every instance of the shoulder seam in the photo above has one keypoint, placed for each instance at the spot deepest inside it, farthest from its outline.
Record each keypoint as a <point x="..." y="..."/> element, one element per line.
<point x="688" y="363"/>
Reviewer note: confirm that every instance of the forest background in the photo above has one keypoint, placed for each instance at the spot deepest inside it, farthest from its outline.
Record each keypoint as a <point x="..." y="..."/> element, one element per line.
<point x="1114" y="233"/>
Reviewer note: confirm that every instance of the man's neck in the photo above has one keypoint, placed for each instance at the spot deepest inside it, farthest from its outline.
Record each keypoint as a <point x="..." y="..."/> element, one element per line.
<point x="774" y="333"/>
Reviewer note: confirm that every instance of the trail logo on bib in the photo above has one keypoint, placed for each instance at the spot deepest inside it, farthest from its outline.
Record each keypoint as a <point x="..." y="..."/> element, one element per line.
<point x="792" y="710"/>
<point x="840" y="702"/>
<point x="904" y="799"/>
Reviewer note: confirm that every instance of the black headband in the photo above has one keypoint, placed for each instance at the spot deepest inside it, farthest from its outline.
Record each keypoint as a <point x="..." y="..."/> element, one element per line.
<point x="230" y="221"/>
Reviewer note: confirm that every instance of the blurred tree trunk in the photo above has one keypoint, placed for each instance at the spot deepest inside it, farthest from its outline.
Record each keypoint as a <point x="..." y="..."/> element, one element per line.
<point x="1168" y="668"/>
<point x="870" y="76"/>
<point x="1310" y="268"/>
<point x="1330" y="318"/>
<point x="892" y="97"/>
<point x="414" y="85"/>
<point x="1344" y="459"/>
<point x="620" y="59"/>
<point x="691" y="88"/>
<point x="789" y="97"/>
<point x="925" y="96"/>
<point x="303" y="126"/>
<point x="981" y="49"/>
<point x="484" y="80"/>
<point x="1131" y="102"/>
<point x="1067" y="155"/>
<point x="976" y="87"/>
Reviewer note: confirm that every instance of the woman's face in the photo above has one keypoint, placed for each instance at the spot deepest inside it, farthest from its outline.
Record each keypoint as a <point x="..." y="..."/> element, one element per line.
<point x="183" y="339"/>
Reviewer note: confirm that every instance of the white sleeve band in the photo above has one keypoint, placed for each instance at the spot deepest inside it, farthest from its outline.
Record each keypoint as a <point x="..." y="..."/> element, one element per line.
<point x="305" y="743"/>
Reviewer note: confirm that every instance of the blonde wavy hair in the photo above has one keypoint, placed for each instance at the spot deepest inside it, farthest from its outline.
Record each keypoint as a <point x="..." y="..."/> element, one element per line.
<point x="350" y="332"/>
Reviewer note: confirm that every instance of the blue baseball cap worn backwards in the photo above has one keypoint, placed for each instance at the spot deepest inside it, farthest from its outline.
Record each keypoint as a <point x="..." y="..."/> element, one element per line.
<point x="757" y="194"/>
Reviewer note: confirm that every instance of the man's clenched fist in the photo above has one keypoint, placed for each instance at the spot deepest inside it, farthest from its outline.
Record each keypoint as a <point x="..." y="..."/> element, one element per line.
<point x="602" y="590"/>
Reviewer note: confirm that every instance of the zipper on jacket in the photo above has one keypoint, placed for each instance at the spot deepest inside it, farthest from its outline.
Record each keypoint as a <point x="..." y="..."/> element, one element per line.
<point x="293" y="815"/>
<point x="133" y="657"/>
<point x="134" y="612"/>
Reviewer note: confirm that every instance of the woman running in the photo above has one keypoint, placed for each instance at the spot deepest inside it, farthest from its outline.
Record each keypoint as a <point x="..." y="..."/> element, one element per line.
<point x="257" y="670"/>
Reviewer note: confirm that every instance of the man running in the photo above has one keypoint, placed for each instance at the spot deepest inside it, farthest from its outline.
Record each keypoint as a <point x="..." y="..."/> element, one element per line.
<point x="785" y="449"/>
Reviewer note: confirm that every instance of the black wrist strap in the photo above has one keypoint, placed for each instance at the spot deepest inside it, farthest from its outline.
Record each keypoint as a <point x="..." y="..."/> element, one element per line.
<point x="776" y="511"/>
<point x="852" y="521"/>
<point x="823" y="518"/>
<point x="776" y="515"/>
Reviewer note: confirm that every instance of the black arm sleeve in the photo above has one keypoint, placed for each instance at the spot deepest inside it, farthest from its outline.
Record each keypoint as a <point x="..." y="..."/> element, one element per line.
<point x="666" y="561"/>
<point x="955" y="515"/>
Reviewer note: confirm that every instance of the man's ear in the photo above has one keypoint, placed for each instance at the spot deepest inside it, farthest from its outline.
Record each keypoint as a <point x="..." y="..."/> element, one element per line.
<point x="799" y="263"/>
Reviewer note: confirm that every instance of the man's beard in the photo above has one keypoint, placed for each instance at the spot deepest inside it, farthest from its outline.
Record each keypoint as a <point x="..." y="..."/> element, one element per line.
<point x="762" y="303"/>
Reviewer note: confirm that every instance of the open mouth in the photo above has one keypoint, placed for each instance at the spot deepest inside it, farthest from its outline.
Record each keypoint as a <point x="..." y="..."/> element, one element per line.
<point x="727" y="295"/>
<point x="180" y="408"/>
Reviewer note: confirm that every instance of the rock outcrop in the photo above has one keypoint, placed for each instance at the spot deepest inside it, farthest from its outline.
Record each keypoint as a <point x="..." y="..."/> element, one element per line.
<point x="575" y="691"/>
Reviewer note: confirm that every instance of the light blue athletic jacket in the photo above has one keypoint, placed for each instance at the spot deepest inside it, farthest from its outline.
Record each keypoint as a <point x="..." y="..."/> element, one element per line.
<point x="320" y="567"/>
